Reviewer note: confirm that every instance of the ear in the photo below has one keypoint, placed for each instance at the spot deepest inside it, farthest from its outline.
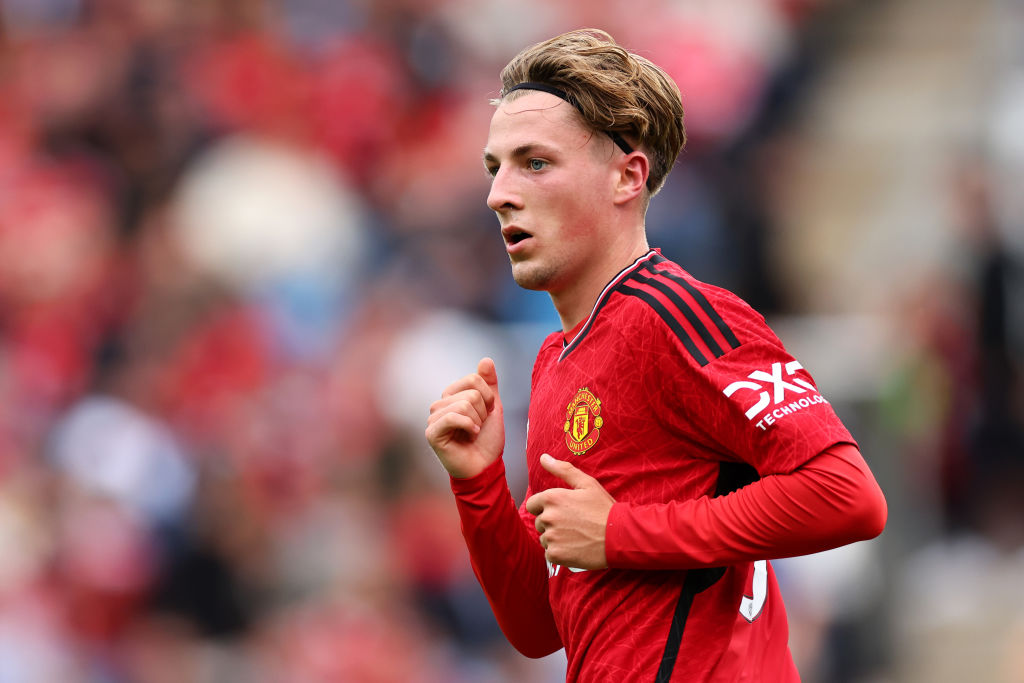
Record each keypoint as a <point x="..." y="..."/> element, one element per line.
<point x="632" y="180"/>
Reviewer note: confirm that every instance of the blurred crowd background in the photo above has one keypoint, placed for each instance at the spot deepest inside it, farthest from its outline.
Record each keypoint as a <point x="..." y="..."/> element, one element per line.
<point x="243" y="245"/>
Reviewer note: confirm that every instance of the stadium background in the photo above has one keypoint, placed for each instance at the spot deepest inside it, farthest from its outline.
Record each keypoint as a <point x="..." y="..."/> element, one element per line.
<point x="243" y="243"/>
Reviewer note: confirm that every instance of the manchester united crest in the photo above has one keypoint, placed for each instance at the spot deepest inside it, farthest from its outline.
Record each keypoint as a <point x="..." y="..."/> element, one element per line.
<point x="583" y="422"/>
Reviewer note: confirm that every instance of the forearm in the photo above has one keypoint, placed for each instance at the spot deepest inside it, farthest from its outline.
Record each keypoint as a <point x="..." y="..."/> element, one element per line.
<point x="830" y="501"/>
<point x="508" y="561"/>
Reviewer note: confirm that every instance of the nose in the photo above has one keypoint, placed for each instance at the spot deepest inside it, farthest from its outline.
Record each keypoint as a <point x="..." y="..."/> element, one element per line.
<point x="503" y="195"/>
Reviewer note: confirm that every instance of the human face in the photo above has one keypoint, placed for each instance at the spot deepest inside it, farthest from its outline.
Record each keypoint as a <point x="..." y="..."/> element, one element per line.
<point x="552" y="189"/>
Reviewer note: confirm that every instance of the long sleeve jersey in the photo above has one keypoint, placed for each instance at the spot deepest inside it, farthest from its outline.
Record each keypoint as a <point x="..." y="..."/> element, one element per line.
<point x="720" y="453"/>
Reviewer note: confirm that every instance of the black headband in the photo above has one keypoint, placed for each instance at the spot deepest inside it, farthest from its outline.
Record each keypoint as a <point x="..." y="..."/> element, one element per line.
<point x="561" y="94"/>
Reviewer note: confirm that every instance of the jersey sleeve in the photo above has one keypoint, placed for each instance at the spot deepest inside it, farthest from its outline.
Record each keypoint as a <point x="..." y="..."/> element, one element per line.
<point x="754" y="403"/>
<point x="508" y="560"/>
<point x="831" y="500"/>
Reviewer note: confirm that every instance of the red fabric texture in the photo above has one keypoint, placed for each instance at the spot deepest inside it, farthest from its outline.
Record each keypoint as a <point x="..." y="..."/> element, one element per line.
<point x="829" y="501"/>
<point x="671" y="394"/>
<point x="508" y="561"/>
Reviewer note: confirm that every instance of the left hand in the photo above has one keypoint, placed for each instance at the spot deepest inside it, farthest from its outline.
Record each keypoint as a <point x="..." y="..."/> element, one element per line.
<point x="572" y="521"/>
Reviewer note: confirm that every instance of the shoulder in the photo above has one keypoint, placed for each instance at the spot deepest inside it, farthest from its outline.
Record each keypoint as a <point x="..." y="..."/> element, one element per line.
<point x="551" y="344"/>
<point x="667" y="304"/>
<point x="548" y="353"/>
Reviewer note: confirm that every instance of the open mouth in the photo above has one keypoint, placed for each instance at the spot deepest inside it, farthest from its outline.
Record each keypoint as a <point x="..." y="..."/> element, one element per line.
<point x="517" y="237"/>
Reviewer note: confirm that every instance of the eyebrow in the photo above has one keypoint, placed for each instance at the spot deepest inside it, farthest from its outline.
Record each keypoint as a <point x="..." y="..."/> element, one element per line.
<point x="520" y="152"/>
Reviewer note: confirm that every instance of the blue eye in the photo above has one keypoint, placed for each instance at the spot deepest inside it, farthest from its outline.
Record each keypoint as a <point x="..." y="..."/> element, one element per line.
<point x="537" y="164"/>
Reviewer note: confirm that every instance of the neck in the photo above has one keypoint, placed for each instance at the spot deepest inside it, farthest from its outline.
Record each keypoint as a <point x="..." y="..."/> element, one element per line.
<point x="575" y="302"/>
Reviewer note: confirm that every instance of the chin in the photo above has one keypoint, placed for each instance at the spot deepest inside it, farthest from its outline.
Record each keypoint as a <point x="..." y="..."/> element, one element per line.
<point x="531" y="276"/>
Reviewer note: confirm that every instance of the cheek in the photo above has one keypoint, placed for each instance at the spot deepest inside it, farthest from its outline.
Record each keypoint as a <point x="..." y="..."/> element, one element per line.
<point x="585" y="203"/>
<point x="575" y="205"/>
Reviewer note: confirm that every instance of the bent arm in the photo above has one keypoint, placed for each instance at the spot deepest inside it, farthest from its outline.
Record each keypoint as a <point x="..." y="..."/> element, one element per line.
<point x="508" y="561"/>
<point x="831" y="500"/>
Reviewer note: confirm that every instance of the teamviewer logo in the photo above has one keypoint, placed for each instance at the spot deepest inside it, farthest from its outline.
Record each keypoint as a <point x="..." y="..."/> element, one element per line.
<point x="768" y="389"/>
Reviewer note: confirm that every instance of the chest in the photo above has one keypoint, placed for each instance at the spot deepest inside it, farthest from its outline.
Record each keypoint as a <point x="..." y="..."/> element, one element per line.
<point x="602" y="408"/>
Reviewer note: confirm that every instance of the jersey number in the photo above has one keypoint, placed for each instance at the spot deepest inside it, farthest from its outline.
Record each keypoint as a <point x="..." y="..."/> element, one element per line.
<point x="751" y="605"/>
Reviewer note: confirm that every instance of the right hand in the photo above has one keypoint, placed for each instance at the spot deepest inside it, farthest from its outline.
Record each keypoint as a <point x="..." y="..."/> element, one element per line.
<point x="466" y="427"/>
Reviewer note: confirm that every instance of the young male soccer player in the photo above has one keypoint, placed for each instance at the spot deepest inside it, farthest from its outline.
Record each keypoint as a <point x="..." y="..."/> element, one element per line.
<point x="674" y="446"/>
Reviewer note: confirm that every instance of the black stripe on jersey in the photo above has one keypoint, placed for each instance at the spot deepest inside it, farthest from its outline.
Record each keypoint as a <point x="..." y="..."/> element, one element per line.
<point x="731" y="477"/>
<point x="669" y="319"/>
<point x="698" y="297"/>
<point x="586" y="328"/>
<point x="696" y="580"/>
<point x="685" y="309"/>
<point x="601" y="301"/>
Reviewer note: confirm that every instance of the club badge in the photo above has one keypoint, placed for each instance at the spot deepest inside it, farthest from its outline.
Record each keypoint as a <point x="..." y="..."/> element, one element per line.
<point x="583" y="422"/>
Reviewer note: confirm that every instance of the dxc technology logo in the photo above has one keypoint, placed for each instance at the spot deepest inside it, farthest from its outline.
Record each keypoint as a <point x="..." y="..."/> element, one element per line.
<point x="769" y="389"/>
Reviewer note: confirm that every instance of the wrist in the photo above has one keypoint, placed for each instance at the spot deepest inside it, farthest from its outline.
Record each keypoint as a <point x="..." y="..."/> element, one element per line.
<point x="479" y="480"/>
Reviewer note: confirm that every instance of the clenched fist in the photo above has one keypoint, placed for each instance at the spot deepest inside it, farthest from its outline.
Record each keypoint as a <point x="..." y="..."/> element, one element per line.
<point x="466" y="426"/>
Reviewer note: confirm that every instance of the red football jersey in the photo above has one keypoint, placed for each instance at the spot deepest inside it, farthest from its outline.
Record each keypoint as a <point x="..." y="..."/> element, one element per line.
<point x="672" y="390"/>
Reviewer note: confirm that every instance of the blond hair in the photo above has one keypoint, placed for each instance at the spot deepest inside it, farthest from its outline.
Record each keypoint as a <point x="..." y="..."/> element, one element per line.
<point x="613" y="90"/>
